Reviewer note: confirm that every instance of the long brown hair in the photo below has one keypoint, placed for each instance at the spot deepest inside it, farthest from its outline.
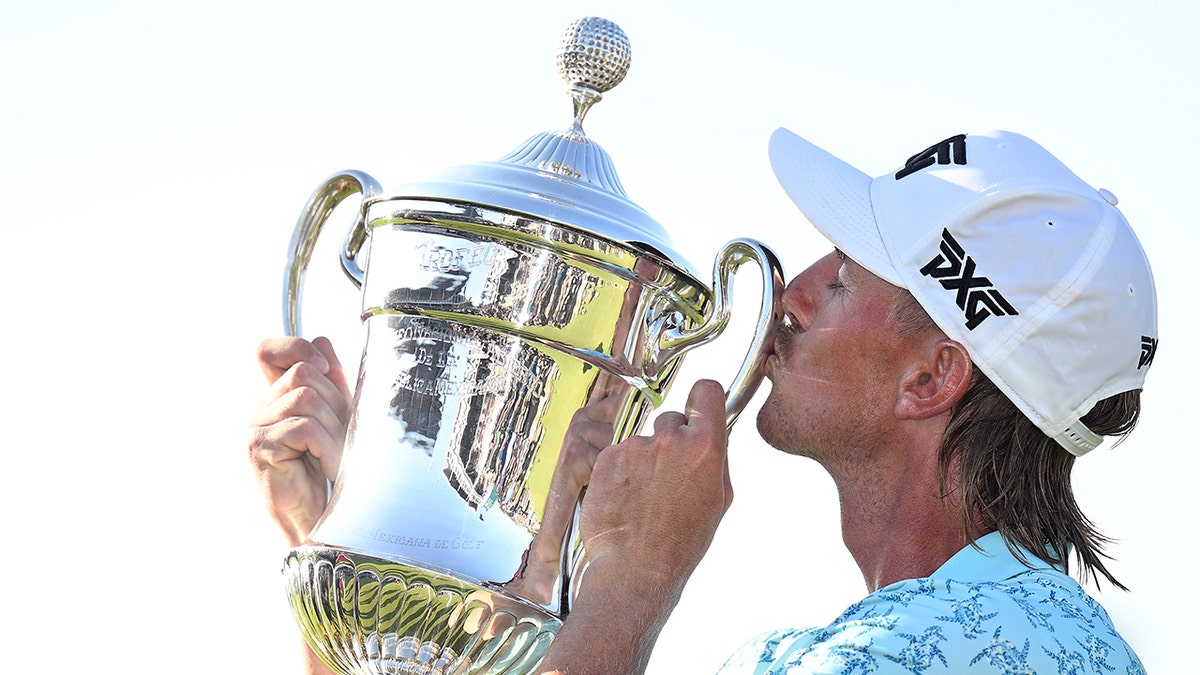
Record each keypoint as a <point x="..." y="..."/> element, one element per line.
<point x="1014" y="479"/>
<point x="1010" y="477"/>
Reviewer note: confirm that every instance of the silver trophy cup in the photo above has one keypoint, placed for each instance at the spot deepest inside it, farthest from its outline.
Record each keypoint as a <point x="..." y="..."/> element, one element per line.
<point x="505" y="303"/>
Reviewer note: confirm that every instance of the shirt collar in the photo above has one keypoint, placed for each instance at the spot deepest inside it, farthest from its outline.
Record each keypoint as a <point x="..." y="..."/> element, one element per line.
<point x="992" y="560"/>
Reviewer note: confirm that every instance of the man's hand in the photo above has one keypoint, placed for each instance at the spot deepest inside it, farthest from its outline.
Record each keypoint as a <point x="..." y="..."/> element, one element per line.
<point x="654" y="503"/>
<point x="590" y="432"/>
<point x="296" y="435"/>
<point x="649" y="515"/>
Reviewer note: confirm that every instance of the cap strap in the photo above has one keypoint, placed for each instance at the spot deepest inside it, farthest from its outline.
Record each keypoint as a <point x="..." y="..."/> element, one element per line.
<point x="1078" y="439"/>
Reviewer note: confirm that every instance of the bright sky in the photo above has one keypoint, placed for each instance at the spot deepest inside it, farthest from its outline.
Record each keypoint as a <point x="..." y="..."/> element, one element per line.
<point x="154" y="157"/>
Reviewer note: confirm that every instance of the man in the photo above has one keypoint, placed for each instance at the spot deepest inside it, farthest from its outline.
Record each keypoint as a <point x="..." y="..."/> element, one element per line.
<point x="985" y="319"/>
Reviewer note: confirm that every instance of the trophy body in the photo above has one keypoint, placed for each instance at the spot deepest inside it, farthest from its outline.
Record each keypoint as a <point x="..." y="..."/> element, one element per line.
<point x="486" y="333"/>
<point x="503" y="303"/>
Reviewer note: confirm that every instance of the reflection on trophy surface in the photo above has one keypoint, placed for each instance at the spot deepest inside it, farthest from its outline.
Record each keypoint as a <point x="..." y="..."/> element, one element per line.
<point x="520" y="316"/>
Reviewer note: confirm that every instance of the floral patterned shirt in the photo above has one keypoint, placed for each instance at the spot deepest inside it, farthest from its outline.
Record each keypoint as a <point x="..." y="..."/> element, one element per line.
<point x="983" y="611"/>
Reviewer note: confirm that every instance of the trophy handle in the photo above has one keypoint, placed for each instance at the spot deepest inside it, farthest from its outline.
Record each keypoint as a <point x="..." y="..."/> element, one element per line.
<point x="322" y="202"/>
<point x="673" y="340"/>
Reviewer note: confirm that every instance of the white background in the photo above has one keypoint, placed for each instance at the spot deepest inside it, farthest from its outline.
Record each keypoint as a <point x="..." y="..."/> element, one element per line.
<point x="154" y="157"/>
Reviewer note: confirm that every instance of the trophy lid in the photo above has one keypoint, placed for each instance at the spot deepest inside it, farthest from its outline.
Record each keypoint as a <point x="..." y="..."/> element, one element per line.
<point x="564" y="176"/>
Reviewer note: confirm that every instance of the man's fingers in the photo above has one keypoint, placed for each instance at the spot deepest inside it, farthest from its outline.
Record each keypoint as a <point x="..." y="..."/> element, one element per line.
<point x="304" y="375"/>
<point x="669" y="419"/>
<point x="706" y="404"/>
<point x="284" y="444"/>
<point x="277" y="355"/>
<point x="595" y="435"/>
<point x="706" y="413"/>
<point x="297" y="433"/>
<point x="304" y="401"/>
<point x="705" y="408"/>
<point x="334" y="370"/>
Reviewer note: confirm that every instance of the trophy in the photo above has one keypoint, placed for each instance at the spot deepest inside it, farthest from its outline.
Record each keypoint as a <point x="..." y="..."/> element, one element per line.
<point x="505" y="304"/>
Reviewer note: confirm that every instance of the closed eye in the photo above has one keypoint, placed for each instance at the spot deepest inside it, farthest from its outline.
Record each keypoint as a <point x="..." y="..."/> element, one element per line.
<point x="837" y="283"/>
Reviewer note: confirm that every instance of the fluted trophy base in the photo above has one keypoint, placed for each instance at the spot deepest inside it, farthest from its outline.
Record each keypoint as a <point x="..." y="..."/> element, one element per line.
<point x="366" y="615"/>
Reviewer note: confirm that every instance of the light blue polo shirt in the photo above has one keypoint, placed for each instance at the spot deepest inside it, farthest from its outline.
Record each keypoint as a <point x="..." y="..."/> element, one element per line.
<point x="983" y="611"/>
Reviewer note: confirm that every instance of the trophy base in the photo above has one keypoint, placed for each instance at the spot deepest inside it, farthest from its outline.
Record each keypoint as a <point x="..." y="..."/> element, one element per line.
<point x="364" y="615"/>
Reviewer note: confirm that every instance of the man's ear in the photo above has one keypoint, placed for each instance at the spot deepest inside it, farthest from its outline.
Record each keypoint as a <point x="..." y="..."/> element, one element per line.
<point x="935" y="381"/>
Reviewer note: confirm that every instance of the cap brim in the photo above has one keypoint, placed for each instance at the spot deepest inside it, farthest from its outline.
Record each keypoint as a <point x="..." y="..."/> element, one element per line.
<point x="835" y="197"/>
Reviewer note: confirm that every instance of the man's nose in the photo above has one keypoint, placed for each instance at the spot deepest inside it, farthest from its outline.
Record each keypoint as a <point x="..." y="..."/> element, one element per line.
<point x="803" y="293"/>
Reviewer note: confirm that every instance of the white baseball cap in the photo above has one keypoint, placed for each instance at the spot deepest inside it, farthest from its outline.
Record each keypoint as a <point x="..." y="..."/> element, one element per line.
<point x="1037" y="274"/>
